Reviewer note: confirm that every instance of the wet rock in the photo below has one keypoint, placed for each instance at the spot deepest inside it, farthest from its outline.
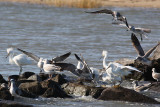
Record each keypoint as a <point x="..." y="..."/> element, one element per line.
<point x="15" y="77"/>
<point x="32" y="87"/>
<point x="35" y="78"/>
<point x="53" y="89"/>
<point x="43" y="76"/>
<point x="124" y="94"/>
<point x="82" y="90"/>
<point x="155" y="86"/>
<point x="5" y="95"/>
<point x="59" y="79"/>
<point x="26" y="75"/>
<point x="6" y="103"/>
<point x="2" y="80"/>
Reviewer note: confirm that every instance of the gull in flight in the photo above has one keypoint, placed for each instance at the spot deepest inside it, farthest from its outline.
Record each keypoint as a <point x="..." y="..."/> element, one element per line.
<point x="155" y="75"/>
<point x="140" y="88"/>
<point x="138" y="30"/>
<point x="115" y="72"/>
<point x="40" y="61"/>
<point x="19" y="60"/>
<point x="142" y="57"/>
<point x="116" y="15"/>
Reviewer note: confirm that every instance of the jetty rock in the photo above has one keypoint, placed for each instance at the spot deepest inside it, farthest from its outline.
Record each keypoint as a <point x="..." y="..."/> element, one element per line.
<point x="82" y="90"/>
<point x="7" y="103"/>
<point x="2" y="80"/>
<point x="124" y="94"/>
<point x="155" y="86"/>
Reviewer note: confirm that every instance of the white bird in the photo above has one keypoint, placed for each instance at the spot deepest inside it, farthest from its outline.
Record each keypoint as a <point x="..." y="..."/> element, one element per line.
<point x="40" y="60"/>
<point x="116" y="15"/>
<point x="19" y="60"/>
<point x="14" y="90"/>
<point x="115" y="72"/>
<point x="140" y="88"/>
<point x="142" y="57"/>
<point x="155" y="75"/>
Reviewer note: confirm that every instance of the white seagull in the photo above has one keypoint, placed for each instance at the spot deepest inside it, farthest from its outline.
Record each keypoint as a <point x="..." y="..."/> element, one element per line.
<point x="19" y="60"/>
<point x="40" y="61"/>
<point x="116" y="15"/>
<point x="142" y="57"/>
<point x="115" y="72"/>
<point x="155" y="75"/>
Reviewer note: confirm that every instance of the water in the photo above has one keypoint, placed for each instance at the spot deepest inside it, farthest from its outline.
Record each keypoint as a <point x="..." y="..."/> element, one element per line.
<point x="50" y="31"/>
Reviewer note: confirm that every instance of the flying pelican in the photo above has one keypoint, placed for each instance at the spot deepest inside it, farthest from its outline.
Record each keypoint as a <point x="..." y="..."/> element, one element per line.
<point x="142" y="57"/>
<point x="116" y="15"/>
<point x="140" y="88"/>
<point x="155" y="75"/>
<point x="19" y="60"/>
<point x="115" y="72"/>
<point x="40" y="60"/>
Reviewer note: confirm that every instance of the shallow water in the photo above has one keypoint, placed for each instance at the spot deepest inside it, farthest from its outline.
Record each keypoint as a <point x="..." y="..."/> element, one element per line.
<point x="50" y="31"/>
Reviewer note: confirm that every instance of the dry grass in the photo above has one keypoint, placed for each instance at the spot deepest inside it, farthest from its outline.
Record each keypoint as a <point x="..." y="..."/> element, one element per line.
<point x="63" y="3"/>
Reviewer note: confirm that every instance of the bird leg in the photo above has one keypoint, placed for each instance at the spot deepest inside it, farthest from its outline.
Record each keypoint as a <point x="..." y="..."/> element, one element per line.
<point x="20" y="71"/>
<point x="141" y="37"/>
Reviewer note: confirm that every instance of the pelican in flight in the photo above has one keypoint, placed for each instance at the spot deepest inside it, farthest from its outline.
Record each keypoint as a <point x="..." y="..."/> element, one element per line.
<point x="142" y="57"/>
<point x="115" y="72"/>
<point x="116" y="15"/>
<point x="155" y="75"/>
<point x="40" y="61"/>
<point x="19" y="60"/>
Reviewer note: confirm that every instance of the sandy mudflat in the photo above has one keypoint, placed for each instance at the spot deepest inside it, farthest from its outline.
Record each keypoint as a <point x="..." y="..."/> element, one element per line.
<point x="120" y="3"/>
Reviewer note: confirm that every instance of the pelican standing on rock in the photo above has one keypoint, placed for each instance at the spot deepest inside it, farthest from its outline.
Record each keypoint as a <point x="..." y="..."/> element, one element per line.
<point x="19" y="60"/>
<point x="142" y="57"/>
<point x="116" y="15"/>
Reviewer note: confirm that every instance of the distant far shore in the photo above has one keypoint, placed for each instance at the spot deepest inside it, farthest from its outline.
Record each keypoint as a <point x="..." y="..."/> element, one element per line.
<point x="93" y="3"/>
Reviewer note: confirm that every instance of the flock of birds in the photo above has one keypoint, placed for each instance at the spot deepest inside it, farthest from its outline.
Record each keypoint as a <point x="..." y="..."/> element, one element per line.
<point x="112" y="73"/>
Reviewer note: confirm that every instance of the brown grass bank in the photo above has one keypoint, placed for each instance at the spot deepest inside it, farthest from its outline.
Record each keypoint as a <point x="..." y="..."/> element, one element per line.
<point x="93" y="3"/>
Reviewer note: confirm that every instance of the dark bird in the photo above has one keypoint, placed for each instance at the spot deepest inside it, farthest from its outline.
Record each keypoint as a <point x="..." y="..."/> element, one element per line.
<point x="142" y="57"/>
<point x="116" y="15"/>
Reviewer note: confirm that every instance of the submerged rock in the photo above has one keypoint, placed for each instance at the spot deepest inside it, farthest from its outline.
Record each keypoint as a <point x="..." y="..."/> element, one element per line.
<point x="82" y="90"/>
<point x="124" y="94"/>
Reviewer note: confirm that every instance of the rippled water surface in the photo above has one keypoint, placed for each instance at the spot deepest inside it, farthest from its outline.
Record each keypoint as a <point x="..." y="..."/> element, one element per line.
<point x="50" y="31"/>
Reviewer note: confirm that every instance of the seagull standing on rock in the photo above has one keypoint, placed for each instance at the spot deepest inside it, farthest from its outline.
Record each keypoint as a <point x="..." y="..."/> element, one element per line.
<point x="155" y="75"/>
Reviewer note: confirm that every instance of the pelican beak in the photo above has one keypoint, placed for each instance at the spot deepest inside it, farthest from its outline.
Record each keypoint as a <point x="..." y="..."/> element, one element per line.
<point x="7" y="55"/>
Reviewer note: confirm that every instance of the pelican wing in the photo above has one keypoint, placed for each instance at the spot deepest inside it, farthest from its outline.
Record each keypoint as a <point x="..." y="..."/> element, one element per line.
<point x="137" y="45"/>
<point x="62" y="57"/>
<point x="102" y="11"/>
<point x="151" y="50"/>
<point x="36" y="58"/>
